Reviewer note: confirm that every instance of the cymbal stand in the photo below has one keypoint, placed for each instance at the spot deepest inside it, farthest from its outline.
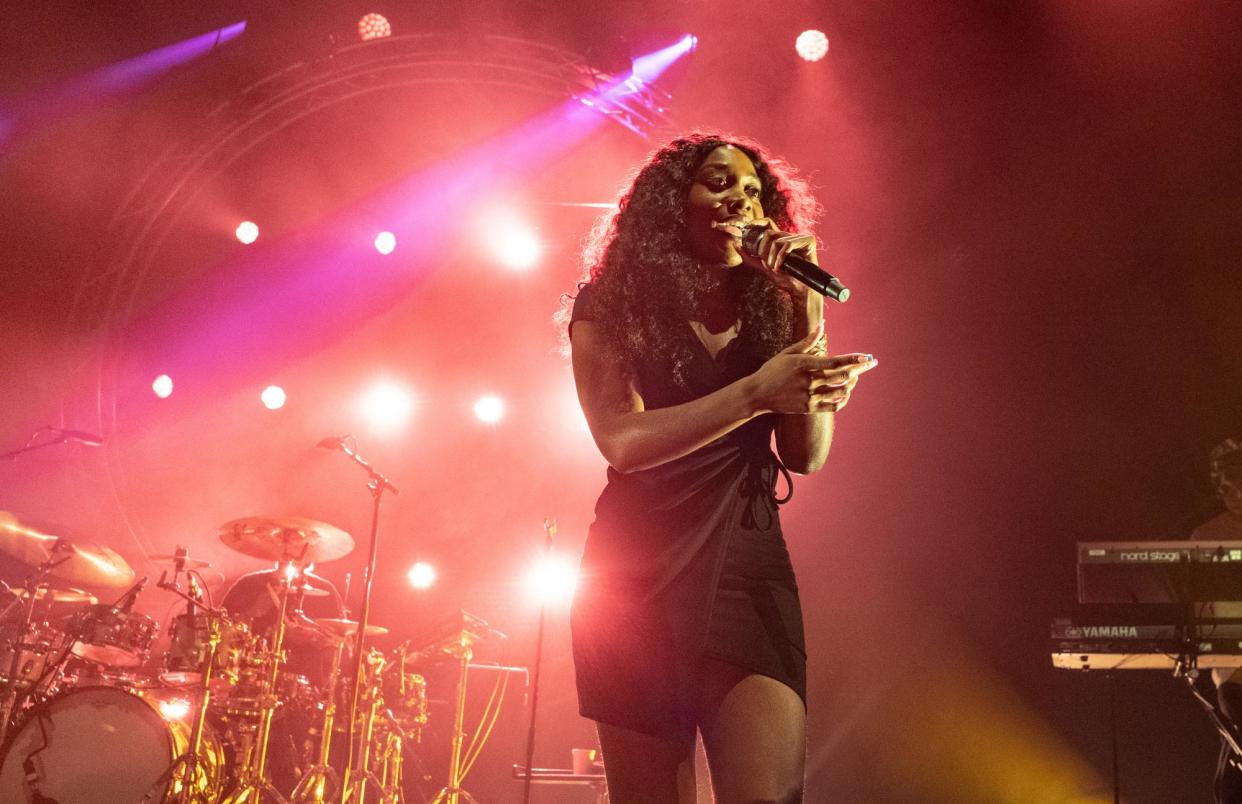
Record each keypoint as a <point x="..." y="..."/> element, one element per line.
<point x="391" y="758"/>
<point x="33" y="584"/>
<point x="374" y="699"/>
<point x="183" y="772"/>
<point x="377" y="484"/>
<point x="452" y="793"/>
<point x="252" y="782"/>
<point x="312" y="788"/>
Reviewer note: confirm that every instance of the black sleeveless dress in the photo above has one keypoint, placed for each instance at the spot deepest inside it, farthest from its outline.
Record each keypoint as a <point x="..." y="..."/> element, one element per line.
<point x="685" y="560"/>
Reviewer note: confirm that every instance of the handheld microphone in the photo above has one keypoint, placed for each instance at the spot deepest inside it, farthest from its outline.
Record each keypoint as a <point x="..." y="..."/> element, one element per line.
<point x="800" y="268"/>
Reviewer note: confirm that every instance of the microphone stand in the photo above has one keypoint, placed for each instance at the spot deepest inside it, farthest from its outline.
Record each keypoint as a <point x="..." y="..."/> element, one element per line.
<point x="549" y="527"/>
<point x="377" y="484"/>
<point x="61" y="438"/>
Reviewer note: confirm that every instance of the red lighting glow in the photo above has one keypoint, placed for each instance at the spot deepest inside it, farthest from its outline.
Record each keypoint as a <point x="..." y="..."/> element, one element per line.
<point x="512" y="240"/>
<point x="162" y="386"/>
<point x="273" y="397"/>
<point x="421" y="575"/>
<point x="385" y="242"/>
<point x="247" y="232"/>
<point x="386" y="406"/>
<point x="552" y="580"/>
<point x="812" y="45"/>
<point x="373" y="26"/>
<point x="490" y="409"/>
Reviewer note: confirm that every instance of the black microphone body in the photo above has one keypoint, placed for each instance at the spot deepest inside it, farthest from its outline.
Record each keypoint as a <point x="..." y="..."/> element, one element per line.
<point x="82" y="437"/>
<point x="332" y="442"/>
<point x="127" y="601"/>
<point x="800" y="268"/>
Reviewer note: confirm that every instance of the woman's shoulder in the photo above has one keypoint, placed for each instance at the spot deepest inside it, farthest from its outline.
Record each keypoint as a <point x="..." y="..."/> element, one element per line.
<point x="582" y="309"/>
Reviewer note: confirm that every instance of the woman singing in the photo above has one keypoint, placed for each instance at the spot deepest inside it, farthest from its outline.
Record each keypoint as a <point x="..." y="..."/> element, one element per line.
<point x="687" y="356"/>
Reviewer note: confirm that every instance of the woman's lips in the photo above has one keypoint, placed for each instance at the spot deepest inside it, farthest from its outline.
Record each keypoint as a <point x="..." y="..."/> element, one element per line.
<point x="733" y="228"/>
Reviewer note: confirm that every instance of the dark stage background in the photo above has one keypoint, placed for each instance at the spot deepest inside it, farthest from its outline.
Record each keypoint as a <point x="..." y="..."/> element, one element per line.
<point x="1038" y="207"/>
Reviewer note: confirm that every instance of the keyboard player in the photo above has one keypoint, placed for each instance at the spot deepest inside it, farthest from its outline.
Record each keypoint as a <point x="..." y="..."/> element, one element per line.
<point x="1225" y="462"/>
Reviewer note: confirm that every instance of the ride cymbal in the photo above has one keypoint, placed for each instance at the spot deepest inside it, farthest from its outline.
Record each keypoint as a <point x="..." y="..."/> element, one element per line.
<point x="295" y="539"/>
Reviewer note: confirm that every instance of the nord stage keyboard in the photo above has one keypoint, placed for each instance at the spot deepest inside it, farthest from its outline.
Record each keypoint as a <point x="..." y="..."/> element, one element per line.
<point x="1159" y="572"/>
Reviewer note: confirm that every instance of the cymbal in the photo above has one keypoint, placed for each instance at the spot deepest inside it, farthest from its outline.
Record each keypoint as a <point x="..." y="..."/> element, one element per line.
<point x="166" y="560"/>
<point x="25" y="543"/>
<point x="66" y="595"/>
<point x="287" y="538"/>
<point x="75" y="562"/>
<point x="344" y="628"/>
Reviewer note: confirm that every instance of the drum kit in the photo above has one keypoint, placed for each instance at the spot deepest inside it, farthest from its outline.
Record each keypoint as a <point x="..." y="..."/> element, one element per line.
<point x="89" y="714"/>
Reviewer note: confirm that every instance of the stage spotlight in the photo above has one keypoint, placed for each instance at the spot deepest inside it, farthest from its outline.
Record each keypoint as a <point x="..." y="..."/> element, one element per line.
<point x="162" y="386"/>
<point x="649" y="66"/>
<point x="247" y="232"/>
<point x="513" y="242"/>
<point x="385" y="242"/>
<point x="273" y="397"/>
<point x="386" y="406"/>
<point x="490" y="409"/>
<point x="552" y="580"/>
<point x="421" y="575"/>
<point x="373" y="26"/>
<point x="812" y="45"/>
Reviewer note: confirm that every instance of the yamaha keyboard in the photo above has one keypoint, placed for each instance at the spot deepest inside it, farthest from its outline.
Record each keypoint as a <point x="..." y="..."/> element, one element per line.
<point x="1122" y="646"/>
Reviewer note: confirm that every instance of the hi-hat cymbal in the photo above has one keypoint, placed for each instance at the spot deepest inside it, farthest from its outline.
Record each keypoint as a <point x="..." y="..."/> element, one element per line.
<point x="345" y="628"/>
<point x="75" y="562"/>
<point x="166" y="560"/>
<point x="66" y="595"/>
<point x="295" y="539"/>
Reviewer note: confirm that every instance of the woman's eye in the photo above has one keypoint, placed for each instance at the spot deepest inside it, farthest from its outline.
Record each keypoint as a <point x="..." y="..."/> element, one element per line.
<point x="752" y="191"/>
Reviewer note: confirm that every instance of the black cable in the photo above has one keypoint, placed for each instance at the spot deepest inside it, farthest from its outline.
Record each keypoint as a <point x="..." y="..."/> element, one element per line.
<point x="1112" y="716"/>
<point x="31" y="776"/>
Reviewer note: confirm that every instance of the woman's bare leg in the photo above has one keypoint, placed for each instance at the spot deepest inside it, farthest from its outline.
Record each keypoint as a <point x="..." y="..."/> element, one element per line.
<point x="755" y="738"/>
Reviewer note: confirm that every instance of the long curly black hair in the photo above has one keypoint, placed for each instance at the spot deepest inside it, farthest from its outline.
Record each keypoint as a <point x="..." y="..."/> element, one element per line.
<point x="644" y="279"/>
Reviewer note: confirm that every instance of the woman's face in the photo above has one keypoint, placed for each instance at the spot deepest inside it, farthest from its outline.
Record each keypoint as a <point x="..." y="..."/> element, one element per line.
<point x="725" y="190"/>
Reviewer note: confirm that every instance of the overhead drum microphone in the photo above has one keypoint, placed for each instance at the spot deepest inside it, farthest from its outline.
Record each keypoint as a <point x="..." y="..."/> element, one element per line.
<point x="800" y="268"/>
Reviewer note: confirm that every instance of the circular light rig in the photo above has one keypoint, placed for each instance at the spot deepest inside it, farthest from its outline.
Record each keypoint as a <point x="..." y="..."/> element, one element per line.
<point x="273" y="397"/>
<point x="162" y="386"/>
<point x="386" y="407"/>
<point x="373" y="26"/>
<point x="421" y="575"/>
<point x="385" y="243"/>
<point x="552" y="580"/>
<point x="812" y="45"/>
<point x="247" y="232"/>
<point x="490" y="409"/>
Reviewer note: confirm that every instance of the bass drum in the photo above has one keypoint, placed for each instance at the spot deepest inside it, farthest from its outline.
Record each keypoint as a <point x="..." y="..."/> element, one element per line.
<point x="101" y="745"/>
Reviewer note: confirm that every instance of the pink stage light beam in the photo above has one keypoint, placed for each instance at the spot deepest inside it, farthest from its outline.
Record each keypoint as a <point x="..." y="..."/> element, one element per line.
<point x="89" y="90"/>
<point x="265" y="295"/>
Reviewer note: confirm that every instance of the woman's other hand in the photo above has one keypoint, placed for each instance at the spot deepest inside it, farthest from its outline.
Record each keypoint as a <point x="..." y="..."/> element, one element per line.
<point x="798" y="380"/>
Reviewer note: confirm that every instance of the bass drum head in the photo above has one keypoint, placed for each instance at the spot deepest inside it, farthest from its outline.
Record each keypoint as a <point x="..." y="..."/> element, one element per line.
<point x="96" y="745"/>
